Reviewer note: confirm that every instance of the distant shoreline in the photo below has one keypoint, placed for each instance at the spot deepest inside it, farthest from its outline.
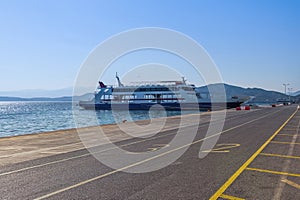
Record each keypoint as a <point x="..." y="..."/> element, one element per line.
<point x="260" y="95"/>
<point x="36" y="99"/>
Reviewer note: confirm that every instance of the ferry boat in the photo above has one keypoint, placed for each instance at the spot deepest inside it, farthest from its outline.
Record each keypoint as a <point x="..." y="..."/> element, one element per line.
<point x="171" y="95"/>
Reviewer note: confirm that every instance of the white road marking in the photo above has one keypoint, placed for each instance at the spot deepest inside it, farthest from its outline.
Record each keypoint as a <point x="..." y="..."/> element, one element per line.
<point x="281" y="184"/>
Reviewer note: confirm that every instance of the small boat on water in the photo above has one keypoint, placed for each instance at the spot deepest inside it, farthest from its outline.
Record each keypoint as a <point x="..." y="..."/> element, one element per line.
<point x="171" y="95"/>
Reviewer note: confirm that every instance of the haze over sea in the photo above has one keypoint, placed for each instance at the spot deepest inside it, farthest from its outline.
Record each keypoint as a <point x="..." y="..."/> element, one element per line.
<point x="20" y="118"/>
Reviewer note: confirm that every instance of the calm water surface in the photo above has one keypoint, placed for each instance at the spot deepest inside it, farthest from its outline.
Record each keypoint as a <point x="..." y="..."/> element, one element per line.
<point x="19" y="118"/>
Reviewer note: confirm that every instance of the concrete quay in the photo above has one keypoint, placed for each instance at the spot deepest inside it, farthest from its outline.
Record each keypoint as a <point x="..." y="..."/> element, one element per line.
<point x="256" y="157"/>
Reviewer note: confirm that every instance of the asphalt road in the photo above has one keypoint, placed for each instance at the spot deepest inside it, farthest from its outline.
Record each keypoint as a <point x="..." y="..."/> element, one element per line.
<point x="255" y="158"/>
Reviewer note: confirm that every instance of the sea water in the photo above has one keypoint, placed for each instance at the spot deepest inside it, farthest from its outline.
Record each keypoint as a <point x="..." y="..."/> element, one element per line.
<point x="19" y="118"/>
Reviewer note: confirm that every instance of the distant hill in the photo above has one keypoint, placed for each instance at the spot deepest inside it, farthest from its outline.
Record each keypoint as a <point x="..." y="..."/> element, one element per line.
<point x="260" y="95"/>
<point x="85" y="97"/>
<point x="35" y="99"/>
<point x="32" y="93"/>
<point x="296" y="93"/>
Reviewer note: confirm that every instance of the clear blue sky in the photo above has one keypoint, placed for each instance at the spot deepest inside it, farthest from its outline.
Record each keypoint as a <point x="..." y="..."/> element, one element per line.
<point x="253" y="43"/>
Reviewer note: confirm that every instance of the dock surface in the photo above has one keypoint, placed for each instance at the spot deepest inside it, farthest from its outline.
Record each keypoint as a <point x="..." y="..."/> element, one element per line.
<point x="257" y="156"/>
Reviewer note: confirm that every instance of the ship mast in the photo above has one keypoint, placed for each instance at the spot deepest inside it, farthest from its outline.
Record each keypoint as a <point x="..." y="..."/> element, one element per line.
<point x="118" y="79"/>
<point x="183" y="80"/>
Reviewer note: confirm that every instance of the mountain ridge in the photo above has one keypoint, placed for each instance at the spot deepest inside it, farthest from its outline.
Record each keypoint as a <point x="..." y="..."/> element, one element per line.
<point x="34" y="93"/>
<point x="261" y="95"/>
<point x="296" y="93"/>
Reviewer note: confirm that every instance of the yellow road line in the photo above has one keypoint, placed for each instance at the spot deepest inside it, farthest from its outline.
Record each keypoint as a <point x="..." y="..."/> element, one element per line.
<point x="291" y="183"/>
<point x="224" y="196"/>
<point x="278" y="142"/>
<point x="272" y="172"/>
<point x="222" y="189"/>
<point x="287" y="163"/>
<point x="223" y="148"/>
<point x="146" y="160"/>
<point x="278" y="155"/>
<point x="292" y="135"/>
